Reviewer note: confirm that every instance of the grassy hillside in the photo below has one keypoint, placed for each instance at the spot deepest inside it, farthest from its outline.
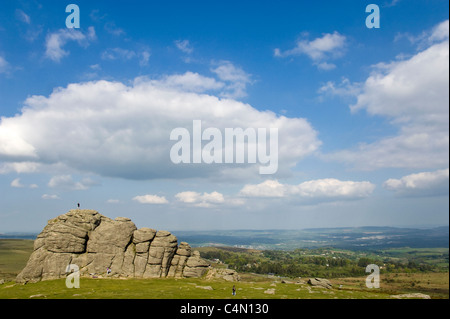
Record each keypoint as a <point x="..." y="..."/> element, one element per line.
<point x="170" y="288"/>
<point x="15" y="253"/>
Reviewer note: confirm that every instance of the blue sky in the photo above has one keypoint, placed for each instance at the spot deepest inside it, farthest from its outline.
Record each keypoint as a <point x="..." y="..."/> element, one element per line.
<point x="362" y="114"/>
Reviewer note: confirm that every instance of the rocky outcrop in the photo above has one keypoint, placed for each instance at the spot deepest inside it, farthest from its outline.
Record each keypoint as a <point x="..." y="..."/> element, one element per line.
<point x="96" y="243"/>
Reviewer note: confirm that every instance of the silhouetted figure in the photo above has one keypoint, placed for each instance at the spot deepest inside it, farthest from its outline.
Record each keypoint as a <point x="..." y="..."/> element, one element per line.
<point x="78" y="205"/>
<point x="234" y="290"/>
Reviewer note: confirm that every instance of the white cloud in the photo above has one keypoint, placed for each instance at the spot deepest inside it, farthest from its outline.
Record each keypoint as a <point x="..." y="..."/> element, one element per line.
<point x="111" y="129"/>
<point x="335" y="188"/>
<point x="321" y="188"/>
<point x="420" y="184"/>
<point x="144" y="57"/>
<point x="329" y="46"/>
<point x="112" y="54"/>
<point x="50" y="196"/>
<point x="66" y="182"/>
<point x="268" y="188"/>
<point x="4" y="65"/>
<point x="437" y="34"/>
<point x="440" y="32"/>
<point x="343" y="89"/>
<point x="392" y="3"/>
<point x="55" y="41"/>
<point x="113" y="201"/>
<point x="326" y="66"/>
<point x="190" y="82"/>
<point x="111" y="27"/>
<point x="151" y="199"/>
<point x="200" y="200"/>
<point x="19" y="167"/>
<point x="118" y="53"/>
<point x="16" y="183"/>
<point x="235" y="78"/>
<point x="22" y="16"/>
<point x="11" y="144"/>
<point x="413" y="94"/>
<point x="184" y="46"/>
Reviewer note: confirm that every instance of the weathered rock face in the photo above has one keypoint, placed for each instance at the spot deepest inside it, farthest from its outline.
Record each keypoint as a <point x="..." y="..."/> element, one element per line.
<point x="95" y="243"/>
<point x="320" y="282"/>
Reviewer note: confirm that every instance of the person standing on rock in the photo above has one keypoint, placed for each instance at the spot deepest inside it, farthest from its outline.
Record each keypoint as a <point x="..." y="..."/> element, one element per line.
<point x="78" y="205"/>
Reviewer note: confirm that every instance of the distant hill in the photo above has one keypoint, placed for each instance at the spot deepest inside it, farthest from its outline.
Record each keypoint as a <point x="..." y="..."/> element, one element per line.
<point x="346" y="237"/>
<point x="18" y="235"/>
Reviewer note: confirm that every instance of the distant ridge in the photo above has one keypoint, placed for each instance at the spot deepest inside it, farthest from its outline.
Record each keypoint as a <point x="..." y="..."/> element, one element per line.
<point x="18" y="235"/>
<point x="368" y="237"/>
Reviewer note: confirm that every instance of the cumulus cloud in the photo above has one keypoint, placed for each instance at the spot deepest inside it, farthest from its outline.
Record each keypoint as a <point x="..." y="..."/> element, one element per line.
<point x="420" y="184"/>
<point x="343" y="89"/>
<point x="112" y="129"/>
<point x="67" y="183"/>
<point x="189" y="82"/>
<point x="328" y="188"/>
<point x="428" y="37"/>
<point x="151" y="199"/>
<point x="268" y="188"/>
<point x="16" y="183"/>
<point x="413" y="94"/>
<point x="319" y="50"/>
<point x="200" y="200"/>
<point x="19" y="167"/>
<point x="55" y="41"/>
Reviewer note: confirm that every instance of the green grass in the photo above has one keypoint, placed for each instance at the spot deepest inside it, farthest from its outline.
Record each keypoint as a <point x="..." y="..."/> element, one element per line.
<point x="14" y="254"/>
<point x="171" y="288"/>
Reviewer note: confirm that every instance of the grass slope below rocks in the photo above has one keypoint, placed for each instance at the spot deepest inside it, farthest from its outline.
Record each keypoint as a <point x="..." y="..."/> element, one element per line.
<point x="170" y="288"/>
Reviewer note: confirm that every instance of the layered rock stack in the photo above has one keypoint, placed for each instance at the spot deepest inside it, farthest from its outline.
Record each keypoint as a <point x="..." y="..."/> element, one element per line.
<point x="95" y="243"/>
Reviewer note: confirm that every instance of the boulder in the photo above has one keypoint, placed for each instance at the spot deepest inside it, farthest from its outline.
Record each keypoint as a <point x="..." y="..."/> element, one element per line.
<point x="195" y="266"/>
<point x="95" y="242"/>
<point x="320" y="282"/>
<point x="222" y="273"/>
<point x="270" y="291"/>
<point x="144" y="234"/>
